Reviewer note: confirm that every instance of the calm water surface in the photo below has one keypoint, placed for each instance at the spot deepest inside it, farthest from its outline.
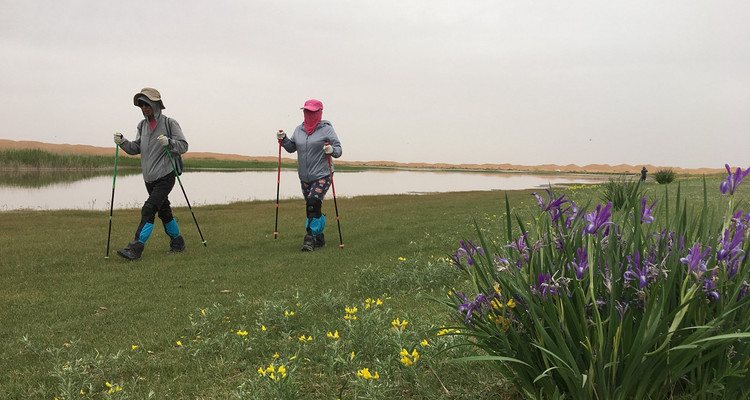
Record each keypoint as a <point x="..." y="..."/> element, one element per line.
<point x="204" y="188"/>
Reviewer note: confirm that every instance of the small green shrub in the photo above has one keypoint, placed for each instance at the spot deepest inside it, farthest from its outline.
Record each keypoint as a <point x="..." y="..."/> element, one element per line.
<point x="664" y="176"/>
<point x="622" y="193"/>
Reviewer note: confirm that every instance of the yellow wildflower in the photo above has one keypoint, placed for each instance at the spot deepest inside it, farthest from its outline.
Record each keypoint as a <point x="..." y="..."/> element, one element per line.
<point x="365" y="373"/>
<point x="263" y="328"/>
<point x="399" y="325"/>
<point x="133" y="347"/>
<point x="276" y="355"/>
<point x="179" y="343"/>
<point x="407" y="358"/>
<point x="334" y="335"/>
<point x="425" y="343"/>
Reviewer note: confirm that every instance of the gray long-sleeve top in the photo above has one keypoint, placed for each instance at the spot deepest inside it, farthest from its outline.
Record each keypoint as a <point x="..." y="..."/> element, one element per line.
<point x="154" y="160"/>
<point x="312" y="163"/>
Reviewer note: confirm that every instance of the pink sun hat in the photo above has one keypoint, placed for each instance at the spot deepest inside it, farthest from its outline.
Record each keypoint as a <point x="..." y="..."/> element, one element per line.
<point x="313" y="105"/>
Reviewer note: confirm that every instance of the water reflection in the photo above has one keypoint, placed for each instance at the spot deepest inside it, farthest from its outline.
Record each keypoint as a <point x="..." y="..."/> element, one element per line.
<point x="36" y="178"/>
<point x="94" y="192"/>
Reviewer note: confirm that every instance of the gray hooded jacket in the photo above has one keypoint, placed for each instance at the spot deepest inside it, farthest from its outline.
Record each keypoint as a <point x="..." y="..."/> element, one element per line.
<point x="155" y="162"/>
<point x="312" y="162"/>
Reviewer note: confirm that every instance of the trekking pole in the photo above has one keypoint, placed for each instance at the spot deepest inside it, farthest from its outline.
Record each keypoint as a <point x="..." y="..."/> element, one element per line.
<point x="335" y="205"/>
<point x="278" y="183"/>
<point x="112" y="202"/>
<point x="174" y="168"/>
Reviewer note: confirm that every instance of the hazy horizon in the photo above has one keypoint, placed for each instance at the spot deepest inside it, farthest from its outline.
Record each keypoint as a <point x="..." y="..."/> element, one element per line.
<point x="525" y="83"/>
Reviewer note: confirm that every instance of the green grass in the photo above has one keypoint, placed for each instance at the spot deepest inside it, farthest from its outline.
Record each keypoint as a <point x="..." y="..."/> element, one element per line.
<point x="70" y="317"/>
<point x="40" y="159"/>
<point x="78" y="309"/>
<point x="35" y="158"/>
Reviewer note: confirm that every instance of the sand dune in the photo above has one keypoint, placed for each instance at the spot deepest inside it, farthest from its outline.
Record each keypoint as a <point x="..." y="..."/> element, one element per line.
<point x="590" y="168"/>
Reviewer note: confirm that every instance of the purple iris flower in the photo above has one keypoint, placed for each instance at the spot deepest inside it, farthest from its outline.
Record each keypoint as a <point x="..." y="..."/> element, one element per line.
<point x="580" y="264"/>
<point x="520" y="245"/>
<point x="646" y="217"/>
<point x="741" y="219"/>
<point x="622" y="308"/>
<point x="478" y="306"/>
<point x="743" y="291"/>
<point x="545" y="285"/>
<point x="730" y="250"/>
<point x="733" y="180"/>
<point x="695" y="260"/>
<point x="572" y="213"/>
<point x="552" y="206"/>
<point x="463" y="306"/>
<point x="638" y="271"/>
<point x="598" y="218"/>
<point x="467" y="250"/>
<point x="709" y="285"/>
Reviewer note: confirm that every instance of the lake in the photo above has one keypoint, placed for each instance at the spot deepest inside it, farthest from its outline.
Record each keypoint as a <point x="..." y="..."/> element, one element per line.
<point x="210" y="187"/>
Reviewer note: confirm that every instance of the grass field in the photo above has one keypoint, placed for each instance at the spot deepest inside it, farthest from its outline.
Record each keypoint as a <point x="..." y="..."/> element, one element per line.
<point x="217" y="322"/>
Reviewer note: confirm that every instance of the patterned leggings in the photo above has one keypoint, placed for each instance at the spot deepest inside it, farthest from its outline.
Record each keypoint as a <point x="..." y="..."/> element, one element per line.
<point x="316" y="189"/>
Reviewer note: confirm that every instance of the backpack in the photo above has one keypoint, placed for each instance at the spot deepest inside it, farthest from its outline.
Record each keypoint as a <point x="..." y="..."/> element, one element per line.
<point x="178" y="157"/>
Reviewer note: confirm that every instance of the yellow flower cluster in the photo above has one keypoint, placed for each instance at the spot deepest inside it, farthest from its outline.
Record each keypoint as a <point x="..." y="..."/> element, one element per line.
<point x="241" y="332"/>
<point x="370" y="302"/>
<point x="288" y="313"/>
<point x="305" y="339"/>
<point x="112" y="388"/>
<point x="350" y="313"/>
<point x="273" y="373"/>
<point x="365" y="374"/>
<point x="334" y="335"/>
<point x="496" y="314"/>
<point x="409" y="359"/>
<point x="398" y="325"/>
<point x="447" y="331"/>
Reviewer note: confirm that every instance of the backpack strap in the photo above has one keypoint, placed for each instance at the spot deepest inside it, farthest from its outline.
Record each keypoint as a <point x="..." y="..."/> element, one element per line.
<point x="169" y="127"/>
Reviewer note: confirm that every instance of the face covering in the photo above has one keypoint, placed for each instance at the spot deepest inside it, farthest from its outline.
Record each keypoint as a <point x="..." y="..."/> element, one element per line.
<point x="312" y="119"/>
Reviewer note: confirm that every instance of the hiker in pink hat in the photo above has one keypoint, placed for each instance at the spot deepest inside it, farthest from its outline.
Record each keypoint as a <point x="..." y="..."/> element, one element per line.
<point x="313" y="140"/>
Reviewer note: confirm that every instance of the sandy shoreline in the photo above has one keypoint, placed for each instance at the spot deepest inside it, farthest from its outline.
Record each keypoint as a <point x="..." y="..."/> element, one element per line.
<point x="590" y="168"/>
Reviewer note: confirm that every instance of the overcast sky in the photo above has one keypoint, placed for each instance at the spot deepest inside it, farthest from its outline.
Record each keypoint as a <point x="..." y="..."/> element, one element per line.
<point x="524" y="82"/>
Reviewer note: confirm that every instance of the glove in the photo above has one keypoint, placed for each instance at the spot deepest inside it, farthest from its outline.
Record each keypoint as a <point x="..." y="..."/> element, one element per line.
<point x="328" y="149"/>
<point x="119" y="139"/>
<point x="163" y="140"/>
<point x="280" y="135"/>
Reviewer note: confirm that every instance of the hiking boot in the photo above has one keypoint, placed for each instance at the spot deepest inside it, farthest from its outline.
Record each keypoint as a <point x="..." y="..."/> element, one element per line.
<point x="309" y="243"/>
<point x="176" y="245"/>
<point x="132" y="251"/>
<point x="320" y="240"/>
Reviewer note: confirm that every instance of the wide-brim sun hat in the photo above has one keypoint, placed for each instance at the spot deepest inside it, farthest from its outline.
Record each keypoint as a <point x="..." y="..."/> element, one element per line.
<point x="313" y="105"/>
<point x="151" y="94"/>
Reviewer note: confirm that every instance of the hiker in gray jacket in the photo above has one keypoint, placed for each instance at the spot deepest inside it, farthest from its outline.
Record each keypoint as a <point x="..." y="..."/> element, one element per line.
<point x="155" y="133"/>
<point x="314" y="141"/>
